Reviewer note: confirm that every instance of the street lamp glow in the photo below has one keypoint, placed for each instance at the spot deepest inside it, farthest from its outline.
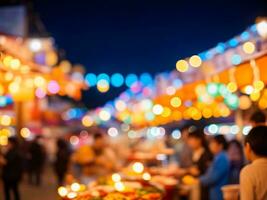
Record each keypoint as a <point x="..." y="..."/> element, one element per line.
<point x="262" y="28"/>
<point x="35" y="45"/>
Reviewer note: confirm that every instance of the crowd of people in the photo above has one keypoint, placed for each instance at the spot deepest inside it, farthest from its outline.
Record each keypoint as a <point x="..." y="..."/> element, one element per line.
<point x="213" y="161"/>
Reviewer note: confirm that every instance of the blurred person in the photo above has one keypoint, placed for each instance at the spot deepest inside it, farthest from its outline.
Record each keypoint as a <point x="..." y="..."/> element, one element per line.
<point x="184" y="151"/>
<point x="258" y="118"/>
<point x="11" y="162"/>
<point x="253" y="177"/>
<point x="37" y="158"/>
<point x="62" y="160"/>
<point x="237" y="160"/>
<point x="105" y="158"/>
<point x="217" y="174"/>
<point x="201" y="157"/>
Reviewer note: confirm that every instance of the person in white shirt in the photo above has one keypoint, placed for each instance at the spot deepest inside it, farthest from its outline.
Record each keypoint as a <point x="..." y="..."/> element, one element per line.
<point x="253" y="177"/>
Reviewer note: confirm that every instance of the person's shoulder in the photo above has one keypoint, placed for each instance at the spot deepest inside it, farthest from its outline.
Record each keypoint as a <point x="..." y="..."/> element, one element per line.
<point x="247" y="170"/>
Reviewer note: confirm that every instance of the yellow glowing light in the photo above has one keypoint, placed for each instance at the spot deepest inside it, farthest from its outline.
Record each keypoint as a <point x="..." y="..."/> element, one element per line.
<point x="5" y="120"/>
<point x="13" y="87"/>
<point x="8" y="76"/>
<point x="207" y="113"/>
<point x="176" y="102"/>
<point x="87" y="121"/>
<point x="197" y="116"/>
<point x="2" y="90"/>
<point x="146" y="176"/>
<point x="39" y="81"/>
<point x="258" y="85"/>
<point x="138" y="167"/>
<point x="182" y="66"/>
<point x="119" y="186"/>
<point x="62" y="191"/>
<point x="72" y="195"/>
<point x="116" y="177"/>
<point x="195" y="61"/>
<point x="232" y="87"/>
<point x="104" y="115"/>
<point x="25" y="133"/>
<point x="7" y="60"/>
<point x="225" y="112"/>
<point x="157" y="109"/>
<point x="15" y="64"/>
<point x="102" y="86"/>
<point x="254" y="96"/>
<point x="263" y="103"/>
<point x="248" y="47"/>
<point x="166" y="112"/>
<point x="5" y="132"/>
<point x="3" y="140"/>
<point x="244" y="102"/>
<point x="75" y="187"/>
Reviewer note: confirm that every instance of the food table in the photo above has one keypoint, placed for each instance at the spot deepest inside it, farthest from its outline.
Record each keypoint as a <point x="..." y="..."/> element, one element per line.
<point x="134" y="182"/>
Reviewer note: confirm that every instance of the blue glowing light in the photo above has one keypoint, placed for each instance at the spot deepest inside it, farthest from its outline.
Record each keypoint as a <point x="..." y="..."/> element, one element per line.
<point x="130" y="79"/>
<point x="202" y="55"/>
<point x="90" y="79"/>
<point x="220" y="48"/>
<point x="209" y="55"/>
<point x="253" y="28"/>
<point x="3" y="101"/>
<point x="146" y="79"/>
<point x="117" y="80"/>
<point x="236" y="59"/>
<point x="103" y="76"/>
<point x="245" y="35"/>
<point x="177" y="83"/>
<point x="233" y="42"/>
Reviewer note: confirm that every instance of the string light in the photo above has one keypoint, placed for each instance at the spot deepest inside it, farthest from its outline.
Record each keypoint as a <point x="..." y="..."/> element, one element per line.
<point x="157" y="109"/>
<point x="87" y="121"/>
<point x="248" y="47"/>
<point x="176" y="102"/>
<point x="182" y="66"/>
<point x="195" y="61"/>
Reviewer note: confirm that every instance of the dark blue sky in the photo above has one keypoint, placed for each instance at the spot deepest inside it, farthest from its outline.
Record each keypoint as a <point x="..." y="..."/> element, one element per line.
<point x="141" y="35"/>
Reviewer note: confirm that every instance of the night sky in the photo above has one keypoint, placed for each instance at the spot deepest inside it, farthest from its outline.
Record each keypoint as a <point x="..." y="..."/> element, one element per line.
<point x="136" y="36"/>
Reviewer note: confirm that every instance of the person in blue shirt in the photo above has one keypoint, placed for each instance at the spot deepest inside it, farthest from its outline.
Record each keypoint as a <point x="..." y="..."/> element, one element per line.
<point x="217" y="174"/>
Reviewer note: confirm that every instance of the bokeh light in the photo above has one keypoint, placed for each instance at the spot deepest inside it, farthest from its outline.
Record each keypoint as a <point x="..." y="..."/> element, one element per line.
<point x="117" y="80"/>
<point x="182" y="66"/>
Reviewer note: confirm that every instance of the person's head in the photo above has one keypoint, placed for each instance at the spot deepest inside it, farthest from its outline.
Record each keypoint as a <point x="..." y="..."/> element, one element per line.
<point x="184" y="132"/>
<point x="235" y="151"/>
<point x="218" y="144"/>
<point x="62" y="144"/>
<point x="196" y="139"/>
<point x="99" y="140"/>
<point x="257" y="118"/>
<point x="12" y="143"/>
<point x="256" y="143"/>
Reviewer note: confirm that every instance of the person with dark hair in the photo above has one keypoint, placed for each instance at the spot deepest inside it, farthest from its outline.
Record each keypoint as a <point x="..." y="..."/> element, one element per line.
<point x="237" y="160"/>
<point x="253" y="177"/>
<point x="184" y="151"/>
<point x="202" y="157"/>
<point x="258" y="118"/>
<point x="37" y="156"/>
<point x="12" y="169"/>
<point x="217" y="174"/>
<point x="62" y="160"/>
